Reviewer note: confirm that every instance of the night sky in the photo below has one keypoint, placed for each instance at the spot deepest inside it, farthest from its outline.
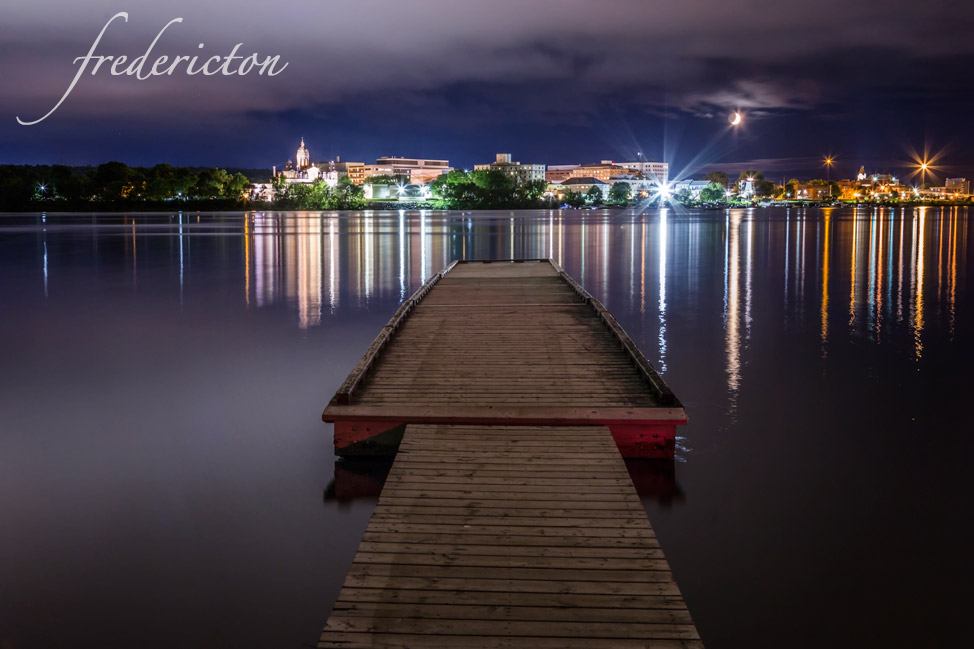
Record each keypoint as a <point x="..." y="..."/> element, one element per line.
<point x="552" y="81"/>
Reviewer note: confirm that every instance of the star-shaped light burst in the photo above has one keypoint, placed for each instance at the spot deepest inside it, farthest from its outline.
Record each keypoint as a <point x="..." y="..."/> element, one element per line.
<point x="661" y="193"/>
<point x="925" y="164"/>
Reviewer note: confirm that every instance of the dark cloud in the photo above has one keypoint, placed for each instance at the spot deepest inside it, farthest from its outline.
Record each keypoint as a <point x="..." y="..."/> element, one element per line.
<point x="552" y="79"/>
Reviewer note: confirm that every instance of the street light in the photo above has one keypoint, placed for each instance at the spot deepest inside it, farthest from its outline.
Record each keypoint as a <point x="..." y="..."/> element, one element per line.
<point x="923" y="167"/>
<point x="828" y="162"/>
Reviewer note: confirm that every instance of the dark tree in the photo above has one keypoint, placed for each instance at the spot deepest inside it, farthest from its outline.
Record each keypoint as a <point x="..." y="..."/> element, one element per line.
<point x="620" y="193"/>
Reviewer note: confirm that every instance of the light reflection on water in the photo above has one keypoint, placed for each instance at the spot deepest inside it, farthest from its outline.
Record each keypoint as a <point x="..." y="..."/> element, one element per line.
<point x="902" y="264"/>
<point x="298" y="258"/>
<point x="792" y="336"/>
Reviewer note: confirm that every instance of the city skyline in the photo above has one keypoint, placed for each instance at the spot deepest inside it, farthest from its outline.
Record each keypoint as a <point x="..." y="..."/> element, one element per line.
<point x="551" y="82"/>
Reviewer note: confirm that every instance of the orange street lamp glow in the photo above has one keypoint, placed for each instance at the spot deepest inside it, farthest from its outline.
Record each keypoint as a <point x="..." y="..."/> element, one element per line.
<point x="828" y="162"/>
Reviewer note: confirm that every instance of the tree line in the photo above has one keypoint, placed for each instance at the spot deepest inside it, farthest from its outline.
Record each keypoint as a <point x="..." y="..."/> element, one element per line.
<point x="485" y="189"/>
<point x="318" y="195"/>
<point x="117" y="184"/>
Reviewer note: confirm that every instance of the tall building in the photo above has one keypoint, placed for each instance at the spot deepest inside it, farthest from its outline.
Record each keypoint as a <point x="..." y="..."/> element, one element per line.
<point x="522" y="172"/>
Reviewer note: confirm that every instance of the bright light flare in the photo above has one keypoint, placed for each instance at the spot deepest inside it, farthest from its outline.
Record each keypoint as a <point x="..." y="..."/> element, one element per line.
<point x="925" y="164"/>
<point x="662" y="192"/>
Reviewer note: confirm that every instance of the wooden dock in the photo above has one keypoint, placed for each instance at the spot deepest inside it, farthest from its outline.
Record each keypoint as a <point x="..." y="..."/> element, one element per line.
<point x="504" y="343"/>
<point x="521" y="536"/>
<point x="508" y="518"/>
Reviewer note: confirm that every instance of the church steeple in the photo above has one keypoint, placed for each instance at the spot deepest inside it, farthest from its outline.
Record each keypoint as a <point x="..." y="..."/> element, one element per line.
<point x="302" y="159"/>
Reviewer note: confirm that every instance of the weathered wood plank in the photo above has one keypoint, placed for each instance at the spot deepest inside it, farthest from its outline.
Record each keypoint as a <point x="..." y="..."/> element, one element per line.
<point x="558" y="629"/>
<point x="499" y="341"/>
<point x="474" y="543"/>
<point x="414" y="641"/>
<point x="453" y="611"/>
<point x="508" y="518"/>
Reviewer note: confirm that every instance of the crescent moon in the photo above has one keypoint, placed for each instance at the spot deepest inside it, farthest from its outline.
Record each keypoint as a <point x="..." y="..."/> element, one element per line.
<point x="736" y="118"/>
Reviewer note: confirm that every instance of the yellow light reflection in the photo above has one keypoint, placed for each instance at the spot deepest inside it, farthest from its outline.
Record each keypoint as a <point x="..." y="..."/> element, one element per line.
<point x="246" y="234"/>
<point x="826" y="257"/>
<point x="918" y="299"/>
<point x="732" y="290"/>
<point x="853" y="267"/>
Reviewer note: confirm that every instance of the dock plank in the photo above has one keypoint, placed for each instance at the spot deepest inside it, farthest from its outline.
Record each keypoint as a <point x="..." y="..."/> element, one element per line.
<point x="493" y="563"/>
<point x="503" y="342"/>
<point x="508" y="518"/>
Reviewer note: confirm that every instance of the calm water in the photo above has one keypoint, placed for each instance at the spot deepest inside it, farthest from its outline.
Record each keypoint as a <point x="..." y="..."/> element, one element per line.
<point x="165" y="480"/>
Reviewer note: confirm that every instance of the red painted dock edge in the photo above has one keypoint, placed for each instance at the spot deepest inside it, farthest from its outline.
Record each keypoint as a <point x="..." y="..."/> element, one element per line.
<point x="647" y="438"/>
<point x="639" y="432"/>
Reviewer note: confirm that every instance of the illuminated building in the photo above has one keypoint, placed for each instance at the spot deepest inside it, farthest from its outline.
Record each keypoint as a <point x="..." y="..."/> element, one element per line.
<point x="417" y="171"/>
<point x="961" y="186"/>
<point x="876" y="186"/>
<point x="522" y="172"/>
<point x="602" y="171"/>
<point x="302" y="159"/>
<point x="558" y="173"/>
<point x="658" y="171"/>
<point x="303" y="170"/>
<point x="581" y="185"/>
<point x="813" y="190"/>
<point x="354" y="171"/>
<point x="691" y="187"/>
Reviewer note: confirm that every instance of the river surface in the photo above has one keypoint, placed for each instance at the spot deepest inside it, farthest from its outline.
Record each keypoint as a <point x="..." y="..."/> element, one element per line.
<point x="166" y="481"/>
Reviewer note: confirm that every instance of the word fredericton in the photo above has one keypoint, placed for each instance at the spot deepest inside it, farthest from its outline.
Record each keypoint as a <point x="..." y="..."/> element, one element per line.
<point x="231" y="64"/>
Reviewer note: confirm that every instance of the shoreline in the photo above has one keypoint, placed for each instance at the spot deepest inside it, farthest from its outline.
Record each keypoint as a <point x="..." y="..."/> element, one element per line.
<point x="391" y="207"/>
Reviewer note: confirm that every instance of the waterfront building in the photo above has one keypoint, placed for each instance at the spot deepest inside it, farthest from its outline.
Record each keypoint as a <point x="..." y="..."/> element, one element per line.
<point x="606" y="170"/>
<point x="745" y="187"/>
<point x="354" y="171"/>
<point x="658" y="171"/>
<point x="418" y="171"/>
<point x="303" y="169"/>
<point x="812" y="190"/>
<point x="520" y="171"/>
<point x="581" y="185"/>
<point x="958" y="186"/>
<point x="558" y="173"/>
<point x="600" y="170"/>
<point x="875" y="186"/>
<point x="259" y="192"/>
<point x="692" y="188"/>
<point x="954" y="189"/>
<point x="639" y="185"/>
